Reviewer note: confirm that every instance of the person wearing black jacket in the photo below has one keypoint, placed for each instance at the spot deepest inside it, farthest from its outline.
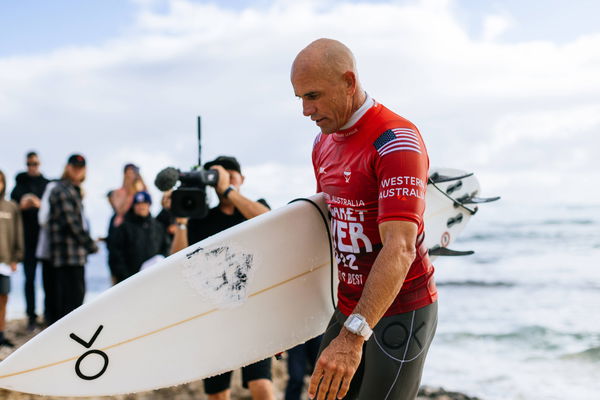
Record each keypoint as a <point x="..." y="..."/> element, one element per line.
<point x="28" y="191"/>
<point x="139" y="238"/>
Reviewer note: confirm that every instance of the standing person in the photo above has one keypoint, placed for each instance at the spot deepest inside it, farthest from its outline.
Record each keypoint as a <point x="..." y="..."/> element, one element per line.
<point x="121" y="200"/>
<point x="11" y="251"/>
<point x="139" y="238"/>
<point x="234" y="208"/>
<point x="70" y="241"/>
<point x="372" y="166"/>
<point x="28" y="191"/>
<point x="165" y="216"/>
<point x="300" y="360"/>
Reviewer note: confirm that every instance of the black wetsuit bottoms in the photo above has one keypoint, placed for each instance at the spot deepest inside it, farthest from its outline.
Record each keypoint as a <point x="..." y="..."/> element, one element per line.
<point x="393" y="358"/>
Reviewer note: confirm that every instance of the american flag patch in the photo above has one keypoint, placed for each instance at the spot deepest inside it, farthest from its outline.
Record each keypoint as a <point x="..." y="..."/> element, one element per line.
<point x="397" y="139"/>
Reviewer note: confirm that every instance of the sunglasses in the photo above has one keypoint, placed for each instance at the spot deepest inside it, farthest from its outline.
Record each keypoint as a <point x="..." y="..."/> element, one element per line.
<point x="33" y="164"/>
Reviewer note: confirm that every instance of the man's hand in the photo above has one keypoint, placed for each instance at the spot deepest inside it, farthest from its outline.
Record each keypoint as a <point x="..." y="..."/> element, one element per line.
<point x="336" y="366"/>
<point x="29" y="201"/>
<point x="224" y="179"/>
<point x="13" y="266"/>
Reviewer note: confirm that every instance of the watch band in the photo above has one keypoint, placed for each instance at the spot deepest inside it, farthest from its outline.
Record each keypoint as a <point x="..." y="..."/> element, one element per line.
<point x="357" y="324"/>
<point x="228" y="190"/>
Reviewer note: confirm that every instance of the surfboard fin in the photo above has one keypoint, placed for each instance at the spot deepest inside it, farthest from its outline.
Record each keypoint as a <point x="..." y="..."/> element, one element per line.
<point x="467" y="199"/>
<point x="444" y="251"/>
<point x="437" y="178"/>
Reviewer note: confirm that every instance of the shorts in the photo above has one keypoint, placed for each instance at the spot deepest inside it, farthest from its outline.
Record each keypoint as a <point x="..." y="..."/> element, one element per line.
<point x="252" y="372"/>
<point x="4" y="284"/>
<point x="393" y="358"/>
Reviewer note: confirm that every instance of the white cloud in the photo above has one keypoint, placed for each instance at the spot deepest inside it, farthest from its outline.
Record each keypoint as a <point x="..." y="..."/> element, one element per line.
<point x="494" y="26"/>
<point x="496" y="108"/>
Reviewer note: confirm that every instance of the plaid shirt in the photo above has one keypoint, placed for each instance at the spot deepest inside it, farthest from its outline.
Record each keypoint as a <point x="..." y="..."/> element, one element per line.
<point x="70" y="243"/>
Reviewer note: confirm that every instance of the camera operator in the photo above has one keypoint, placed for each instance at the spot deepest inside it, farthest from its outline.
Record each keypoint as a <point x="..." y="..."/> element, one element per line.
<point x="233" y="208"/>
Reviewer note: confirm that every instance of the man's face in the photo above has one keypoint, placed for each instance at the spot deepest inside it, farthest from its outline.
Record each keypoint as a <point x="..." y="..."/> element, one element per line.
<point x="235" y="178"/>
<point x="141" y="209"/>
<point x="326" y="101"/>
<point x="33" y="165"/>
<point x="76" y="173"/>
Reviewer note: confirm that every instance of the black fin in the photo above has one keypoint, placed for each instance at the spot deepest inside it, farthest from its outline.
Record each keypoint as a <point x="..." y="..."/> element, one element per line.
<point x="476" y="200"/>
<point x="444" y="251"/>
<point x="437" y="178"/>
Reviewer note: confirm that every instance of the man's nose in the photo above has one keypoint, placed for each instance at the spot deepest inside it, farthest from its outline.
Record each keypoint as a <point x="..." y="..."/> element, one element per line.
<point x="308" y="108"/>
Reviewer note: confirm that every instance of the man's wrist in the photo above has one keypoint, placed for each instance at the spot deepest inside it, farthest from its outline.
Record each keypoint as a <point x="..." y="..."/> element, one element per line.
<point x="358" y="325"/>
<point x="229" y="189"/>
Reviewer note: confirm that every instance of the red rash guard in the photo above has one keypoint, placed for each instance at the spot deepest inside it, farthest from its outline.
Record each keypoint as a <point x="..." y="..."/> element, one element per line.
<point x="372" y="172"/>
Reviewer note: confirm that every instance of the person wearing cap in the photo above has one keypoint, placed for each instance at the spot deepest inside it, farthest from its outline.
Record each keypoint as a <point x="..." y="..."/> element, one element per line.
<point x="121" y="200"/>
<point x="69" y="237"/>
<point x="233" y="208"/>
<point x="138" y="239"/>
<point x="27" y="192"/>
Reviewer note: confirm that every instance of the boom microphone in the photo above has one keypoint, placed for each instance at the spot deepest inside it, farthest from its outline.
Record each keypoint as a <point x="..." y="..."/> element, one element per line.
<point x="167" y="178"/>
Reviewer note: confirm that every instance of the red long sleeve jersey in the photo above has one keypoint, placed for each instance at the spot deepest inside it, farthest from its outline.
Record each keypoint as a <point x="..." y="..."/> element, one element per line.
<point x="372" y="172"/>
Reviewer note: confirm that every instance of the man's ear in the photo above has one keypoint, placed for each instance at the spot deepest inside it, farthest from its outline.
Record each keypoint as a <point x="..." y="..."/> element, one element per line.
<point x="349" y="78"/>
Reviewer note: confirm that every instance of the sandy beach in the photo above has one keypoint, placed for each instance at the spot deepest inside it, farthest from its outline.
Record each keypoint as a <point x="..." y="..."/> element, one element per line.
<point x="17" y="332"/>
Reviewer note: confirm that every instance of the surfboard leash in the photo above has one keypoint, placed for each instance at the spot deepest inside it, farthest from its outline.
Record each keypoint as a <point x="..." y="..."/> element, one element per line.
<point x="331" y="256"/>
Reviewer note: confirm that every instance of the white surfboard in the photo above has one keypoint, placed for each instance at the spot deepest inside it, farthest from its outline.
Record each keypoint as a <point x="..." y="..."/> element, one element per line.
<point x="240" y="296"/>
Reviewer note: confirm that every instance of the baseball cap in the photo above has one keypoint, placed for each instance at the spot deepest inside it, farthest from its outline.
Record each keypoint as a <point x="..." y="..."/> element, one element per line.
<point x="142" y="197"/>
<point x="226" y="162"/>
<point x="76" y="160"/>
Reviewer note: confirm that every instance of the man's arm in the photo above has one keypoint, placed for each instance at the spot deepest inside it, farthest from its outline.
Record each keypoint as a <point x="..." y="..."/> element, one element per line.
<point x="73" y="220"/>
<point x="247" y="207"/>
<point x="180" y="239"/>
<point x="339" y="361"/>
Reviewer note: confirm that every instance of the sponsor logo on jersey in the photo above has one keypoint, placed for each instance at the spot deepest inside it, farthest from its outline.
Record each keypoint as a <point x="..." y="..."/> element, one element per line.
<point x="347" y="175"/>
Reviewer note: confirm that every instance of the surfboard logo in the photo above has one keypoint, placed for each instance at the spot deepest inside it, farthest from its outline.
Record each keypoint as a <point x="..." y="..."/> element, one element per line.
<point x="347" y="175"/>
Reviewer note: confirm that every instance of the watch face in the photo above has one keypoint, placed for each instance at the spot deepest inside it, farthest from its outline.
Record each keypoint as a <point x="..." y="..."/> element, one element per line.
<point x="355" y="324"/>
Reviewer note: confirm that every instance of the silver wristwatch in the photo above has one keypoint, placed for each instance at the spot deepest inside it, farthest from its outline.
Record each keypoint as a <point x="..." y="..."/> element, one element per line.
<point x="358" y="325"/>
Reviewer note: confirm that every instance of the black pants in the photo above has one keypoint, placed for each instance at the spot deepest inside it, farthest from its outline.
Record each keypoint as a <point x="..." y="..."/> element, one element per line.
<point x="70" y="288"/>
<point x="30" y="268"/>
<point x="301" y="362"/>
<point x="50" y="300"/>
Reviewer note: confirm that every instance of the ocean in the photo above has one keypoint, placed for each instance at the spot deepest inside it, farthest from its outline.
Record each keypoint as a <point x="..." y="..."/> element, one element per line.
<point x="517" y="320"/>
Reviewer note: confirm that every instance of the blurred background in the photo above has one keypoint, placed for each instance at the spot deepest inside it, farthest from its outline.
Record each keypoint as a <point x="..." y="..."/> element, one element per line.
<point x="509" y="90"/>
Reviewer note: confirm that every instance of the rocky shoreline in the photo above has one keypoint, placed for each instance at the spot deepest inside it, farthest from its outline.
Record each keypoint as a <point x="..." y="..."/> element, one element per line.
<point x="17" y="332"/>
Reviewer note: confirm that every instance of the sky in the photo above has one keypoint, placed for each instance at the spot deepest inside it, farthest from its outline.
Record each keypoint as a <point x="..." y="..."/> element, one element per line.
<point x="508" y="89"/>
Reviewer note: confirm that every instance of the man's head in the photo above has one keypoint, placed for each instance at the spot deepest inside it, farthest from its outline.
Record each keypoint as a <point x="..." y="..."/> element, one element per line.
<point x="141" y="204"/>
<point x="75" y="169"/>
<point x="33" y="164"/>
<point x="232" y="166"/>
<point x="324" y="77"/>
<point x="131" y="170"/>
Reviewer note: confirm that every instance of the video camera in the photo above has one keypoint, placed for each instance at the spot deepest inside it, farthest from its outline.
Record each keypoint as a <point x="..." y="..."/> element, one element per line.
<point x="189" y="199"/>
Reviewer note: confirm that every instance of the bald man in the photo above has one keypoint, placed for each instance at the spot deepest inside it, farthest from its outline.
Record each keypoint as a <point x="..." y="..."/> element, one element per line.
<point x="372" y="166"/>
